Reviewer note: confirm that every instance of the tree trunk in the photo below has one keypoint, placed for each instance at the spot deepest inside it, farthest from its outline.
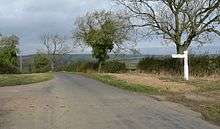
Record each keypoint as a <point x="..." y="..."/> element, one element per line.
<point x="180" y="49"/>
<point x="100" y="66"/>
<point x="179" y="62"/>
<point x="52" y="66"/>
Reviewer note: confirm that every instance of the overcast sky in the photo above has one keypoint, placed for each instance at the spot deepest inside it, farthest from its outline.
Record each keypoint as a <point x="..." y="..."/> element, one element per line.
<point x="30" y="18"/>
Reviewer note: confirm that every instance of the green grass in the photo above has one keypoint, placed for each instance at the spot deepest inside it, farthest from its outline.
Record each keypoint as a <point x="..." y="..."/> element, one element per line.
<point x="23" y="79"/>
<point x="108" y="79"/>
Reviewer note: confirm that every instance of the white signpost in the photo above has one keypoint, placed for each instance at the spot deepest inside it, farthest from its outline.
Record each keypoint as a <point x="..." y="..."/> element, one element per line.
<point x="186" y="64"/>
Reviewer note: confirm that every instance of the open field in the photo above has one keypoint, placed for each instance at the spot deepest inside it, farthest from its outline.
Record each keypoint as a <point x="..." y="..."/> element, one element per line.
<point x="200" y="94"/>
<point x="22" y="79"/>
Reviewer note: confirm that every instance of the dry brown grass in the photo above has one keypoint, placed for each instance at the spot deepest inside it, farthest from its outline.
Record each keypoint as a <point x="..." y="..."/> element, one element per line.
<point x="155" y="81"/>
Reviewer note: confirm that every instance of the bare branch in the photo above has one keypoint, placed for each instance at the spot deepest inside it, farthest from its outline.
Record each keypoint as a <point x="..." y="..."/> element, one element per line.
<point x="179" y="21"/>
<point x="55" y="47"/>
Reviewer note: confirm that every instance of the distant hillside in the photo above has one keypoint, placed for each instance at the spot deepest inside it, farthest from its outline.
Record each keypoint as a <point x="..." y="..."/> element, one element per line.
<point x="69" y="57"/>
<point x="131" y="61"/>
<point x="88" y="57"/>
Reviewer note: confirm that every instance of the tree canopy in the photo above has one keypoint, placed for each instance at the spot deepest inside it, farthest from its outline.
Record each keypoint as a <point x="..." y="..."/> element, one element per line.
<point x="8" y="50"/>
<point x="102" y="31"/>
<point x="8" y="53"/>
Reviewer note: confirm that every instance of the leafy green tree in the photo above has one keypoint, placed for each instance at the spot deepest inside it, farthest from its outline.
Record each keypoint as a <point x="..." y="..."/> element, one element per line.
<point x="102" y="31"/>
<point x="8" y="53"/>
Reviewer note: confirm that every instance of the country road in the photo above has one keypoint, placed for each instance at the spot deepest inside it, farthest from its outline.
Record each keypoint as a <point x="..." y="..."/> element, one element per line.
<point x="75" y="102"/>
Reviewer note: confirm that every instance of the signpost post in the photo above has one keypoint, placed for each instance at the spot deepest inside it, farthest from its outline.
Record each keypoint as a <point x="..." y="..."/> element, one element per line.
<point x="186" y="64"/>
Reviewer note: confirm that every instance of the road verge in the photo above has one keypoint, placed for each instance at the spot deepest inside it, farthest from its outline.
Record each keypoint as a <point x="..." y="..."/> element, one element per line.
<point x="203" y="96"/>
<point x="23" y="79"/>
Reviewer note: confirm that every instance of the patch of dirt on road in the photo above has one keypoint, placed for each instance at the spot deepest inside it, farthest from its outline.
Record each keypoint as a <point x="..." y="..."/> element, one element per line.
<point x="155" y="81"/>
<point x="19" y="101"/>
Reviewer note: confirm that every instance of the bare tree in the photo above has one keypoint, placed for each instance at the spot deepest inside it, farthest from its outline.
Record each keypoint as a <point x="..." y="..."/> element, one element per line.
<point x="182" y="22"/>
<point x="55" y="47"/>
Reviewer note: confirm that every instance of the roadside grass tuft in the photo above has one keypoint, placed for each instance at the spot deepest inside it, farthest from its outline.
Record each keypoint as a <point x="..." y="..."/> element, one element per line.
<point x="212" y="113"/>
<point x="205" y="86"/>
<point x="209" y="110"/>
<point x="23" y="79"/>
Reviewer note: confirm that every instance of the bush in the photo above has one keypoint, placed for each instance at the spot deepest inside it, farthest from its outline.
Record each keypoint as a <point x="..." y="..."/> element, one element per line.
<point x="159" y="65"/>
<point x="82" y="66"/>
<point x="113" y="67"/>
<point x="109" y="67"/>
<point x="204" y="65"/>
<point x="8" y="69"/>
<point x="199" y="65"/>
<point x="41" y="64"/>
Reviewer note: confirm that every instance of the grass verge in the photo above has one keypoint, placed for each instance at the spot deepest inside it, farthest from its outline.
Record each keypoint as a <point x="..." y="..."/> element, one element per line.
<point x="209" y="110"/>
<point x="108" y="79"/>
<point x="23" y="79"/>
<point x="202" y="85"/>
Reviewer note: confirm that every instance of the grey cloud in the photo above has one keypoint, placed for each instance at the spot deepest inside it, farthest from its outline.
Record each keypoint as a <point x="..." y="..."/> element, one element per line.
<point x="30" y="18"/>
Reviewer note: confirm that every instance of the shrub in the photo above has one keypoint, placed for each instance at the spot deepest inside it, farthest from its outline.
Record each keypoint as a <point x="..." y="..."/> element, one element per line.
<point x="8" y="69"/>
<point x="41" y="63"/>
<point x="82" y="66"/>
<point x="109" y="67"/>
<point x="158" y="65"/>
<point x="199" y="65"/>
<point x="204" y="65"/>
<point x="113" y="67"/>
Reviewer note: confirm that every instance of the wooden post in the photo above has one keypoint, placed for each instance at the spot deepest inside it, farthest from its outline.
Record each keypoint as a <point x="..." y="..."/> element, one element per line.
<point x="186" y="64"/>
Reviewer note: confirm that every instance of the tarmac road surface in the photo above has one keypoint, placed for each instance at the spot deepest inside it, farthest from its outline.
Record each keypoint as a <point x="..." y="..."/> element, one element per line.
<point x="76" y="102"/>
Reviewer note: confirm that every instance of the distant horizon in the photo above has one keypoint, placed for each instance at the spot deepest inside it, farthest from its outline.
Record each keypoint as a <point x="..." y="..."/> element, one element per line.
<point x="26" y="19"/>
<point x="166" y="52"/>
